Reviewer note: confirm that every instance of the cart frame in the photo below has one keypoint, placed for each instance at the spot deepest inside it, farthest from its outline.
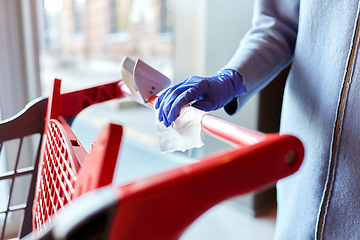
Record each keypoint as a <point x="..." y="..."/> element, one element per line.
<point x="221" y="175"/>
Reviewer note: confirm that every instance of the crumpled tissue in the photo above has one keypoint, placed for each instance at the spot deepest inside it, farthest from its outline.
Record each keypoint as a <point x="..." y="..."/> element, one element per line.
<point x="183" y="134"/>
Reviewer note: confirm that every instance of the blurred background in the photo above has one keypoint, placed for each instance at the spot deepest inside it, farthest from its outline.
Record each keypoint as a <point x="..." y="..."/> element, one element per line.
<point x="83" y="43"/>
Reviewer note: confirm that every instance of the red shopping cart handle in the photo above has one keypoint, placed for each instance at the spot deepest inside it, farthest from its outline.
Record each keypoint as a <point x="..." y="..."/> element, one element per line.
<point x="219" y="128"/>
<point x="163" y="206"/>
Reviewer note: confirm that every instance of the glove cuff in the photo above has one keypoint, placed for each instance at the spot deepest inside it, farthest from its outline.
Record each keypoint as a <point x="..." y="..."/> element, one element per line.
<point x="232" y="107"/>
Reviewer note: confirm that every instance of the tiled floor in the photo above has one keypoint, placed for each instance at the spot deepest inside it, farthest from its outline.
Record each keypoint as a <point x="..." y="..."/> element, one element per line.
<point x="140" y="157"/>
<point x="227" y="223"/>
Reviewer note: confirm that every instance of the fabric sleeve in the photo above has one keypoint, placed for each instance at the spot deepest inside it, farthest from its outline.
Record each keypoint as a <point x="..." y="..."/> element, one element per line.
<point x="267" y="48"/>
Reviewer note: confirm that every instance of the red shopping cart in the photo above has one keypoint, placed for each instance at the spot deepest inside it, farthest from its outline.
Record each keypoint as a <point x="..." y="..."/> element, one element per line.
<point x="157" y="207"/>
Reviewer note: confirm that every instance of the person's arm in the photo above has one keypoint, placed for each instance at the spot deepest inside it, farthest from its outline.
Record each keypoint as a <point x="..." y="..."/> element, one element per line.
<point x="267" y="48"/>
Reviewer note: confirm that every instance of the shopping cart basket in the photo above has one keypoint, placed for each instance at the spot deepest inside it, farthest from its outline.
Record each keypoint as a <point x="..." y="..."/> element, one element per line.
<point x="62" y="156"/>
<point x="158" y="207"/>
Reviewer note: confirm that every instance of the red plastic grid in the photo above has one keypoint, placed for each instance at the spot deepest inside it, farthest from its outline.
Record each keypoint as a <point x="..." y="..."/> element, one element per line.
<point x="58" y="174"/>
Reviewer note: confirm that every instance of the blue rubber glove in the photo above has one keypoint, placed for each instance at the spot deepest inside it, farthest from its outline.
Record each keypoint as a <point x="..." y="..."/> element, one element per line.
<point x="205" y="93"/>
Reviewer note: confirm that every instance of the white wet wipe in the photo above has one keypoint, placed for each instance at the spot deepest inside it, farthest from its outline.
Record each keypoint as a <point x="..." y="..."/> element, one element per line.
<point x="183" y="134"/>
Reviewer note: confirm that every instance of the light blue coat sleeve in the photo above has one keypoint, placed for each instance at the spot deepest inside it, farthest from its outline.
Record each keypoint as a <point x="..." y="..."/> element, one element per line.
<point x="267" y="48"/>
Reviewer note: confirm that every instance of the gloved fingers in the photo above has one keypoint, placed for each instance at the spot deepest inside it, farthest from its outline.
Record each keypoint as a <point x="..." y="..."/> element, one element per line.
<point x="165" y="93"/>
<point x="174" y="111"/>
<point x="173" y="99"/>
<point x="166" y="103"/>
<point x="170" y="111"/>
<point x="165" y="100"/>
<point x="164" y="119"/>
<point x="182" y="99"/>
<point x="158" y="105"/>
<point x="160" y="98"/>
<point x="165" y="106"/>
<point x="163" y="110"/>
<point x="162" y="103"/>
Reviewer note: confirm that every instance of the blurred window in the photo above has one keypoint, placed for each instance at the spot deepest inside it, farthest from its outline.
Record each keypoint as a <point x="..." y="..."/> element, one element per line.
<point x="79" y="11"/>
<point x="85" y="41"/>
<point x="119" y="14"/>
<point x="166" y="17"/>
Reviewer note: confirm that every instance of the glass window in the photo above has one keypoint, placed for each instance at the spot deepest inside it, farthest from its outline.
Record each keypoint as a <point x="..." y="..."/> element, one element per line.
<point x="166" y="18"/>
<point x="86" y="41"/>
<point x="78" y="16"/>
<point x="119" y="14"/>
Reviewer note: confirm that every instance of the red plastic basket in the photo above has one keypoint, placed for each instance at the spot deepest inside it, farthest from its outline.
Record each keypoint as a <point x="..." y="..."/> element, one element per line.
<point x="60" y="179"/>
<point x="58" y="174"/>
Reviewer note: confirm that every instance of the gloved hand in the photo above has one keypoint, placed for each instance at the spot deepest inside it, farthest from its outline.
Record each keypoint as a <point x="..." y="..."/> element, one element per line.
<point x="209" y="93"/>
